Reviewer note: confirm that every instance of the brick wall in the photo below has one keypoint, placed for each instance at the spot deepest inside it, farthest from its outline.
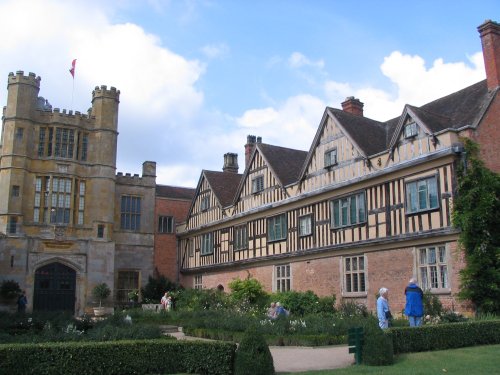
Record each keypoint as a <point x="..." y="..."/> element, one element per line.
<point x="488" y="136"/>
<point x="165" y="247"/>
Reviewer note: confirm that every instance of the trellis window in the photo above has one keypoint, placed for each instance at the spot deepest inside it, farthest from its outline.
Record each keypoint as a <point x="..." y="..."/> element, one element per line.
<point x="277" y="228"/>
<point x="433" y="267"/>
<point x="240" y="237"/>
<point x="348" y="211"/>
<point x="354" y="274"/>
<point x="130" y="213"/>
<point x="283" y="278"/>
<point x="257" y="184"/>
<point x="205" y="203"/>
<point x="12" y="225"/>
<point x="198" y="282"/>
<point x="411" y="130"/>
<point x="422" y="195"/>
<point x="81" y="202"/>
<point x="65" y="142"/>
<point x="207" y="244"/>
<point x="166" y="224"/>
<point x="127" y="282"/>
<point x="305" y="225"/>
<point x="330" y="158"/>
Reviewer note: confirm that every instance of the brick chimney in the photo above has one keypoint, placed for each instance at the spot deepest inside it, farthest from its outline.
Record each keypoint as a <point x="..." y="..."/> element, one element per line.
<point x="353" y="106"/>
<point x="251" y="141"/>
<point x="490" y="40"/>
<point x="230" y="163"/>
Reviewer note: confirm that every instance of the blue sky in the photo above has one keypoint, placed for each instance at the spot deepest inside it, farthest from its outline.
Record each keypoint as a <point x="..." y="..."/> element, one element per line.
<point x="197" y="77"/>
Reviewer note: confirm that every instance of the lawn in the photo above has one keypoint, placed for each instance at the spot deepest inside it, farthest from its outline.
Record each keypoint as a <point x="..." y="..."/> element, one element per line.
<point x="467" y="361"/>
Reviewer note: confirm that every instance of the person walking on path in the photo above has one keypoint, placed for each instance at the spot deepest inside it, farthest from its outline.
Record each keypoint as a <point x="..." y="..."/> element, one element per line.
<point x="414" y="308"/>
<point x="383" y="311"/>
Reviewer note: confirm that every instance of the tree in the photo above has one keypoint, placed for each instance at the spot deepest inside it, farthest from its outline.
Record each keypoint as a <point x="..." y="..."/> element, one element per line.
<point x="101" y="291"/>
<point x="476" y="213"/>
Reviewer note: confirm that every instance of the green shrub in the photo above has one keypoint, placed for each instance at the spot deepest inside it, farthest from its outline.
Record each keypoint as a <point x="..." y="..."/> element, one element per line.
<point x="350" y="309"/>
<point x="445" y="336"/>
<point x="253" y="356"/>
<point x="119" y="357"/>
<point x="432" y="305"/>
<point x="156" y="288"/>
<point x="9" y="289"/>
<point x="245" y="293"/>
<point x="377" y="347"/>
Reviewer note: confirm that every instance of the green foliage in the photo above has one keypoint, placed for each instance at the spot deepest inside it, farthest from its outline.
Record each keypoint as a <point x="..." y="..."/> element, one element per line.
<point x="377" y="347"/>
<point x="350" y="309"/>
<point x="253" y="356"/>
<point x="445" y="336"/>
<point x="302" y="303"/>
<point x="476" y="209"/>
<point x="119" y="357"/>
<point x="249" y="291"/>
<point x="432" y="304"/>
<point x="201" y="299"/>
<point x="9" y="289"/>
<point x="101" y="292"/>
<point x="156" y="288"/>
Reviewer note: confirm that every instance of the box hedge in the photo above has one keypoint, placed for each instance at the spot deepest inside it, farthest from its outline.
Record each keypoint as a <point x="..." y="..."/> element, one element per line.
<point x="118" y="357"/>
<point x="445" y="336"/>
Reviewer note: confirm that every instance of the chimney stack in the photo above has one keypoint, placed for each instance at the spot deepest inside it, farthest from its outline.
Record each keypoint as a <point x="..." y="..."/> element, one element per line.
<point x="251" y="141"/>
<point x="490" y="40"/>
<point x="230" y="163"/>
<point x="353" y="106"/>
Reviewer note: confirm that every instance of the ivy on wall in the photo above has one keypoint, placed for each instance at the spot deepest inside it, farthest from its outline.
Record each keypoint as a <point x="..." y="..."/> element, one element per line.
<point x="477" y="213"/>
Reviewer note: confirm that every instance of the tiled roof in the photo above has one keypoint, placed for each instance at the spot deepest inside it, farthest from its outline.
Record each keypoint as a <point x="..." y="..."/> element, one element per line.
<point x="285" y="162"/>
<point x="369" y="135"/>
<point x="175" y="192"/>
<point x="224" y="185"/>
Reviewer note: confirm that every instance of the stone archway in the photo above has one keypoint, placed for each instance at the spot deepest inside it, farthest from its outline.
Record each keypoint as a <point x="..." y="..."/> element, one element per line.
<point x="54" y="288"/>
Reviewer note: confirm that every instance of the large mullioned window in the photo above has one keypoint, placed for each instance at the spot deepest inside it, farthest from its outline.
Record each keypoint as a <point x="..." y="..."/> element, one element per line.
<point x="433" y="267"/>
<point x="240" y="237"/>
<point x="276" y="228"/>
<point x="130" y="218"/>
<point x="62" y="143"/>
<point x="422" y="195"/>
<point x="354" y="274"/>
<point x="349" y="210"/>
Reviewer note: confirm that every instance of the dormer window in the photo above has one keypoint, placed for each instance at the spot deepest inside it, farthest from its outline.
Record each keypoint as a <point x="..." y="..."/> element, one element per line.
<point x="257" y="184"/>
<point x="331" y="158"/>
<point x="205" y="203"/>
<point x="411" y="130"/>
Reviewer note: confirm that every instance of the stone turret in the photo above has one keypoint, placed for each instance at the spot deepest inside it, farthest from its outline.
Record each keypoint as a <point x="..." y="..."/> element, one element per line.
<point x="105" y="107"/>
<point x="22" y="94"/>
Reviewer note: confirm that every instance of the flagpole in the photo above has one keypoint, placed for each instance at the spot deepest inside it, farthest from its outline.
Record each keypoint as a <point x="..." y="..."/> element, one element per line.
<point x="72" y="72"/>
<point x="72" y="92"/>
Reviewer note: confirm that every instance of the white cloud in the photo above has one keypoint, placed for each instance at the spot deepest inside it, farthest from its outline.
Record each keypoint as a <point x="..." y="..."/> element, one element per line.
<point x="298" y="60"/>
<point x="213" y="51"/>
<point x="413" y="84"/>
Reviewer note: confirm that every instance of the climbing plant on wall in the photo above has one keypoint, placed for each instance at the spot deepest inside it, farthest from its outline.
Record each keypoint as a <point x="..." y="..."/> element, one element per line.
<point x="477" y="214"/>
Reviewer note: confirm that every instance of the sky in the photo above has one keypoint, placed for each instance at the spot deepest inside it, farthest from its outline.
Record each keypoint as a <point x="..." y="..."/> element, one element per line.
<point x="197" y="76"/>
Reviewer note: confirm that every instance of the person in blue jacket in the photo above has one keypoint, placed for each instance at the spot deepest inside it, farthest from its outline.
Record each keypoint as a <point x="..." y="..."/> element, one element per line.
<point x="414" y="308"/>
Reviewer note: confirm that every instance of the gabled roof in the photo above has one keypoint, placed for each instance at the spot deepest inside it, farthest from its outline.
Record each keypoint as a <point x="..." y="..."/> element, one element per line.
<point x="174" y="192"/>
<point x="223" y="185"/>
<point x="286" y="163"/>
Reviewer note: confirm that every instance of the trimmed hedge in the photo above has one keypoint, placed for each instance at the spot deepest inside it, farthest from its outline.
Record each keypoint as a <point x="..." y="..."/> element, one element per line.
<point x="445" y="336"/>
<point x="119" y="357"/>
<point x="274" y="340"/>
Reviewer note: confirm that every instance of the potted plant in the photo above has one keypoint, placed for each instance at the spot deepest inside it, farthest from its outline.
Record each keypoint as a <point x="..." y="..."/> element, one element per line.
<point x="101" y="292"/>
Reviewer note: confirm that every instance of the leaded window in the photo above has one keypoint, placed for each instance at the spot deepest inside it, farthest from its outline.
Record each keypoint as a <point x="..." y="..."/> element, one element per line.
<point x="207" y="244"/>
<point x="349" y="210"/>
<point x="354" y="274"/>
<point x="130" y="213"/>
<point x="433" y="267"/>
<point x="283" y="278"/>
<point x="422" y="195"/>
<point x="240" y="237"/>
<point x="277" y="228"/>
<point x="305" y="225"/>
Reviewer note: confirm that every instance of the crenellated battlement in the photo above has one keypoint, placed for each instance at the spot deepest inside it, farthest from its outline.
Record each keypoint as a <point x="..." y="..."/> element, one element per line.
<point x="19" y="77"/>
<point x="103" y="91"/>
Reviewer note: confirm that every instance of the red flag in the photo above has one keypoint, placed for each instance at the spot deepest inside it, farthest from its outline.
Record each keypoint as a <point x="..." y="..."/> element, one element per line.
<point x="72" y="70"/>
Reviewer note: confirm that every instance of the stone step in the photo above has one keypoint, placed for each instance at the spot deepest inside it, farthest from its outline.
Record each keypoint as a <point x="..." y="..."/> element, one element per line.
<point x="169" y="329"/>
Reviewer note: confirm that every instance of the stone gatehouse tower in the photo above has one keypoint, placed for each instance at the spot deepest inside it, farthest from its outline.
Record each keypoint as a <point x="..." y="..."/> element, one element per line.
<point x="67" y="220"/>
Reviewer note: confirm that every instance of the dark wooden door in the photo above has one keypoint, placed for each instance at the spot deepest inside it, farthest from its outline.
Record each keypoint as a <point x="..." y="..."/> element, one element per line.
<point x="54" y="288"/>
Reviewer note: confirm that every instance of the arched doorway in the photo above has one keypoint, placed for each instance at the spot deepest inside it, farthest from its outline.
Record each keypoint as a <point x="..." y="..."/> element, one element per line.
<point x="54" y="288"/>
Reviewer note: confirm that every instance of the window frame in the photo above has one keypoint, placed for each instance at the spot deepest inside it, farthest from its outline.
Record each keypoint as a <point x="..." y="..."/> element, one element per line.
<point x="328" y="163"/>
<point x="257" y="184"/>
<point x="130" y="218"/>
<point x="354" y="275"/>
<point x="415" y="208"/>
<point x="282" y="275"/>
<point x="272" y="225"/>
<point x="122" y="290"/>
<point x="345" y="208"/>
<point x="309" y="226"/>
<point x="413" y="132"/>
<point x="207" y="244"/>
<point x="440" y="261"/>
<point x="16" y="191"/>
<point x="240" y="237"/>
<point x="205" y="203"/>
<point x="198" y="282"/>
<point x="166" y="224"/>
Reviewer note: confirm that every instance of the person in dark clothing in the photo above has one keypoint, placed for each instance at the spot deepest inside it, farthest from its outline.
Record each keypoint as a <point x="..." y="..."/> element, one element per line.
<point x="414" y="308"/>
<point x="22" y="301"/>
